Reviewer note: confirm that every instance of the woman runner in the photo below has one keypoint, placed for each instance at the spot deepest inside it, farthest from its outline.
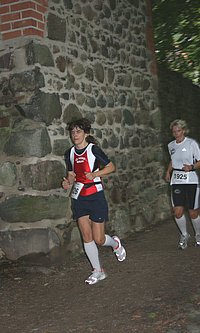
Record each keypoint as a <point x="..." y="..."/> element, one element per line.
<point x="89" y="204"/>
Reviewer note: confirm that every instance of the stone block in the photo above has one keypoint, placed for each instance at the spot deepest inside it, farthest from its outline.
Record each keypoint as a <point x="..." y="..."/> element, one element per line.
<point x="121" y="222"/>
<point x="128" y="117"/>
<point x="71" y="113"/>
<point x="4" y="136"/>
<point x="56" y="28"/>
<point x="28" y="138"/>
<point x="21" y="242"/>
<point x="139" y="223"/>
<point x="26" y="81"/>
<point x="8" y="174"/>
<point x="27" y="208"/>
<point x="75" y="246"/>
<point x="44" y="107"/>
<point x="4" y="121"/>
<point x="68" y="4"/>
<point x="6" y="61"/>
<point x="60" y="146"/>
<point x="43" y="176"/>
<point x="41" y="54"/>
<point x="99" y="72"/>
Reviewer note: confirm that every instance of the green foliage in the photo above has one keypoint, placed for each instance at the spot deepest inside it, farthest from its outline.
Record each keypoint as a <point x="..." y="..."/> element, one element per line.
<point x="177" y="35"/>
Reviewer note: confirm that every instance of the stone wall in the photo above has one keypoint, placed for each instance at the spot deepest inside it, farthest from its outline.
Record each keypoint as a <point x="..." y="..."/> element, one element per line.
<point x="96" y="61"/>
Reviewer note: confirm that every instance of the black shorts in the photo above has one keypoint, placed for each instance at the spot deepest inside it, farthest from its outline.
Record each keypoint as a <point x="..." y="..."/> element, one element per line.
<point x="94" y="205"/>
<point x="185" y="195"/>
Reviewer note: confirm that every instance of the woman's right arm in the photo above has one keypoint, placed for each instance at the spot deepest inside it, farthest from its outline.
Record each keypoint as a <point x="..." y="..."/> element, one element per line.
<point x="68" y="180"/>
<point x="70" y="177"/>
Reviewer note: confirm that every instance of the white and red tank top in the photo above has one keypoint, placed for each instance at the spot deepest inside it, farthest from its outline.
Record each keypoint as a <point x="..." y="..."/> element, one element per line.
<point x="85" y="162"/>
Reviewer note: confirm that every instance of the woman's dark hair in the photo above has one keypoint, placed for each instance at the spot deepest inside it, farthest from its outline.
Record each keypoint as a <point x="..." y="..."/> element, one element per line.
<point x="82" y="123"/>
<point x="91" y="139"/>
<point x="85" y="125"/>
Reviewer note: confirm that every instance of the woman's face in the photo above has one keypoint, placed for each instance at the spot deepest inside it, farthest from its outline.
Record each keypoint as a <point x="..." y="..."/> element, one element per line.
<point x="78" y="137"/>
<point x="178" y="133"/>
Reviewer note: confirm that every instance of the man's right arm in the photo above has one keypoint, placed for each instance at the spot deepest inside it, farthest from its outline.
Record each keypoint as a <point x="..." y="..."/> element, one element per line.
<point x="168" y="173"/>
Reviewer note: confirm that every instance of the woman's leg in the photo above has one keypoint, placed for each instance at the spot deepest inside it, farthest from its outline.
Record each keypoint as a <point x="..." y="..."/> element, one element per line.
<point x="98" y="232"/>
<point x="106" y="240"/>
<point x="90" y="247"/>
<point x="100" y="237"/>
<point x="110" y="241"/>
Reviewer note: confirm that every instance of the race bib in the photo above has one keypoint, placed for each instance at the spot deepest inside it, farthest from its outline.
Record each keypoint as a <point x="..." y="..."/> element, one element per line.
<point x="76" y="189"/>
<point x="180" y="177"/>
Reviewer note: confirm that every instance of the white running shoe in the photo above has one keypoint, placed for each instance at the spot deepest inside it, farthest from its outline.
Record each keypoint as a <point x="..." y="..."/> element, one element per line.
<point x="95" y="277"/>
<point x="183" y="243"/>
<point x="120" y="251"/>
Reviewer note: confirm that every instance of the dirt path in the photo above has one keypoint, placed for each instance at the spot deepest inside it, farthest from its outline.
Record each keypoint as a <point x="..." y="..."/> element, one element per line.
<point x="156" y="290"/>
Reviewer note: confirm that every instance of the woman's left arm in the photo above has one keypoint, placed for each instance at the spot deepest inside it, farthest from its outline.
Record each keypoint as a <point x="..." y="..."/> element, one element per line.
<point x="107" y="169"/>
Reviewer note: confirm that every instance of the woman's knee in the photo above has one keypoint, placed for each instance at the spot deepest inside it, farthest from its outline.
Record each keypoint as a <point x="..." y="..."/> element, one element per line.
<point x="99" y="240"/>
<point x="98" y="232"/>
<point x="84" y="225"/>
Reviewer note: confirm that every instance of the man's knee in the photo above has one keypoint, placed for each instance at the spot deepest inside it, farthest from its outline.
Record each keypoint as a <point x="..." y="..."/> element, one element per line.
<point x="193" y="214"/>
<point x="178" y="215"/>
<point x="178" y="212"/>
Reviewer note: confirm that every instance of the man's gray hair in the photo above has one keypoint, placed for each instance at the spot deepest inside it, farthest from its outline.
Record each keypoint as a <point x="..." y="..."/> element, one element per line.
<point x="181" y="124"/>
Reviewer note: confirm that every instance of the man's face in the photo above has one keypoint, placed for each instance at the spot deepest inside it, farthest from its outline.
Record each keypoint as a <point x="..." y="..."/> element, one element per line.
<point x="178" y="132"/>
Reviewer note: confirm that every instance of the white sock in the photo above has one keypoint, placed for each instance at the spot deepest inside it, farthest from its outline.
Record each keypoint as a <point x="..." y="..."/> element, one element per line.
<point x="93" y="255"/>
<point x="109" y="241"/>
<point x="196" y="225"/>
<point x="182" y="224"/>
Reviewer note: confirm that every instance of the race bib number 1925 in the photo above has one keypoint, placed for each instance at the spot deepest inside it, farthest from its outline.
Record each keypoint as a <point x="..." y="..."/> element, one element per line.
<point x="179" y="177"/>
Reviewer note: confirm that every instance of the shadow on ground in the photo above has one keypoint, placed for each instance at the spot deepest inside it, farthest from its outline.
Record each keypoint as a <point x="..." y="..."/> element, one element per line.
<point x="156" y="290"/>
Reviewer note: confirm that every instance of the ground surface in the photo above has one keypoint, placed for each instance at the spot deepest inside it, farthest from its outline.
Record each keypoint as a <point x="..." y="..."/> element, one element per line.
<point x="156" y="290"/>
